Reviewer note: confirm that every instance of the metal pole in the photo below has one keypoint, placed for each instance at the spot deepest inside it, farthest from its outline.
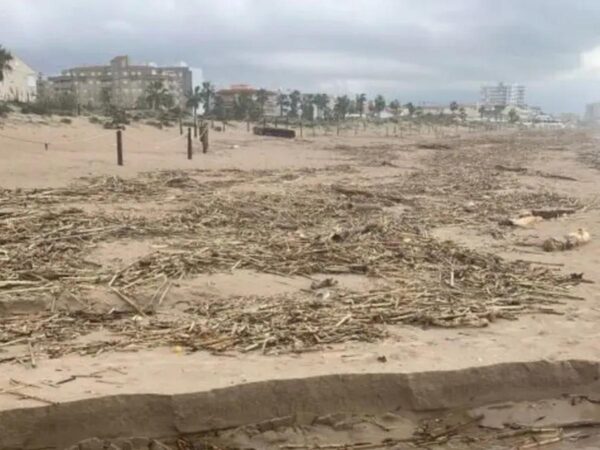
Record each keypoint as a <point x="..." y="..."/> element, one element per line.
<point x="119" y="148"/>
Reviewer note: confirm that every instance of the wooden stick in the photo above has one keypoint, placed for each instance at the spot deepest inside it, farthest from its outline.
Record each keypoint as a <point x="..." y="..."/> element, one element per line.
<point x="129" y="301"/>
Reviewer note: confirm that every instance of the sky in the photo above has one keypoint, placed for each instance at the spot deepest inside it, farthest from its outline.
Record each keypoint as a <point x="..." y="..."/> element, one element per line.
<point x="411" y="50"/>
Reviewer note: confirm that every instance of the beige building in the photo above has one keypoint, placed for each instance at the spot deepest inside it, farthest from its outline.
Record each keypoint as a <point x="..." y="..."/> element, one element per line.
<point x="19" y="83"/>
<point x="123" y="82"/>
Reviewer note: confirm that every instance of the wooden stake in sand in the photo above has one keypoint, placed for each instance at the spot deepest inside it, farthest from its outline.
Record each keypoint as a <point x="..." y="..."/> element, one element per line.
<point x="189" y="144"/>
<point x="119" y="148"/>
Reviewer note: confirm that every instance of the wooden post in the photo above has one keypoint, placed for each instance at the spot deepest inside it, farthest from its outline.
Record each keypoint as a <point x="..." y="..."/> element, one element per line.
<point x="189" y="143"/>
<point x="337" y="131"/>
<point x="119" y="148"/>
<point x="205" y="139"/>
<point x="301" y="133"/>
<point x="313" y="127"/>
<point x="180" y="127"/>
<point x="223" y="127"/>
<point x="195" y="128"/>
<point x="248" y="126"/>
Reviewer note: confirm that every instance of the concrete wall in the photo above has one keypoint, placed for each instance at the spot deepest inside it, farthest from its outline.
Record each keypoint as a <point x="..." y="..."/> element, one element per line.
<point x="19" y="83"/>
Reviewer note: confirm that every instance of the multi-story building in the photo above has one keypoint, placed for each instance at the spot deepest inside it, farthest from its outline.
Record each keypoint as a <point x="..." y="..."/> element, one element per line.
<point x="503" y="95"/>
<point x="20" y="82"/>
<point x="120" y="81"/>
<point x="592" y="112"/>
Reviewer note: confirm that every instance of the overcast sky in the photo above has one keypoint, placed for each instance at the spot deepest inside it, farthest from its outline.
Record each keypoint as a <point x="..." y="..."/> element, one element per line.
<point x="412" y="50"/>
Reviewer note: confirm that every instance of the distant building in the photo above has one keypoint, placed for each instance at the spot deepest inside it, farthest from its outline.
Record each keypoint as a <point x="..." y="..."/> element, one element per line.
<point x="20" y="83"/>
<point x="125" y="83"/>
<point x="230" y="96"/>
<point x="592" y="112"/>
<point x="503" y="95"/>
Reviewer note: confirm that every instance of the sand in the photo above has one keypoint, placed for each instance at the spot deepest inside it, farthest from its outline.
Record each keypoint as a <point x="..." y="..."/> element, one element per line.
<point x="82" y="150"/>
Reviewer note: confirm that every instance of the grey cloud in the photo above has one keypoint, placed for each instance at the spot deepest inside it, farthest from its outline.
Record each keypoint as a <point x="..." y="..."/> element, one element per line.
<point x="427" y="50"/>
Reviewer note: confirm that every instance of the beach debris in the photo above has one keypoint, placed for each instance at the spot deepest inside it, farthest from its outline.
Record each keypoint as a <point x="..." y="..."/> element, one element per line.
<point x="568" y="242"/>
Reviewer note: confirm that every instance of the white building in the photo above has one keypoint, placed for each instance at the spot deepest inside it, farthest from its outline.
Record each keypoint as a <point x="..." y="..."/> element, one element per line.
<point x="20" y="83"/>
<point x="592" y="112"/>
<point x="503" y="95"/>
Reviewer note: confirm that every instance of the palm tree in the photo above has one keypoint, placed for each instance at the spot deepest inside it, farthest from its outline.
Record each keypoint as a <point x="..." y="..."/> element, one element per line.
<point x="194" y="99"/>
<point x="208" y="94"/>
<point x="283" y="102"/>
<point x="219" y="107"/>
<point x="262" y="95"/>
<point x="295" y="98"/>
<point x="308" y="106"/>
<point x="321" y="101"/>
<point x="158" y="95"/>
<point x="379" y="104"/>
<point x="5" y="59"/>
<point x="341" y="106"/>
<point x="244" y="106"/>
<point x="361" y="99"/>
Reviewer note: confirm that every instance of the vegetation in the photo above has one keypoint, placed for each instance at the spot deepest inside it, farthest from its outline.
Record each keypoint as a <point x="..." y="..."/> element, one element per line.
<point x="321" y="101"/>
<point x="4" y="109"/>
<point x="395" y="106"/>
<point x="64" y="104"/>
<point x="410" y="108"/>
<point x="379" y="104"/>
<point x="513" y="116"/>
<point x="261" y="98"/>
<point x="194" y="100"/>
<point x="454" y="106"/>
<point x="208" y="96"/>
<point x="5" y="59"/>
<point x="219" y="108"/>
<point x="246" y="108"/>
<point x="361" y="99"/>
<point x="157" y="95"/>
<point x="283" y="102"/>
<point x="342" y="104"/>
<point x="295" y="99"/>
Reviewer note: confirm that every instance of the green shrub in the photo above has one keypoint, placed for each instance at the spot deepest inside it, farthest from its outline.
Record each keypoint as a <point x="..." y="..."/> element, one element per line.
<point x="66" y="120"/>
<point x="4" y="109"/>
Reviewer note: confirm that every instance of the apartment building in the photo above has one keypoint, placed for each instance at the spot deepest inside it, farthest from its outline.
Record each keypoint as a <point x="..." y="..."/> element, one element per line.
<point x="20" y="83"/>
<point x="503" y="95"/>
<point x="125" y="83"/>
